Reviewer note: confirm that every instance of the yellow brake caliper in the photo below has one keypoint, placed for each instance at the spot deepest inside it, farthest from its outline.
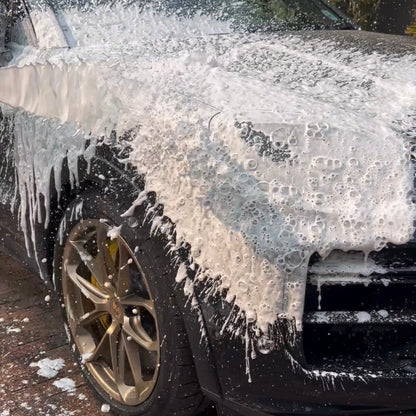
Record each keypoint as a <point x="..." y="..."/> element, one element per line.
<point x="112" y="249"/>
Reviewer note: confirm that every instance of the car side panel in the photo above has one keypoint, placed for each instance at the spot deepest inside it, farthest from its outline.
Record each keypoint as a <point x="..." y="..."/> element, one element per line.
<point x="11" y="240"/>
<point x="7" y="165"/>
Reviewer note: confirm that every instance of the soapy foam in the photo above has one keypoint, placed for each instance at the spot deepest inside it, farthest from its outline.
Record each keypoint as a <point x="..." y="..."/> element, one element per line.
<point x="41" y="146"/>
<point x="306" y="154"/>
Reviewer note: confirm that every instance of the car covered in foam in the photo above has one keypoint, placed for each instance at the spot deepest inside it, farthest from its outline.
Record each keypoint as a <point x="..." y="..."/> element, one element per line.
<point x="222" y="195"/>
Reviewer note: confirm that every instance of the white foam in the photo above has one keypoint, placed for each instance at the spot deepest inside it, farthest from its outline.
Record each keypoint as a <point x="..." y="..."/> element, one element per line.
<point x="114" y="232"/>
<point x="105" y="408"/>
<point x="363" y="317"/>
<point x="252" y="222"/>
<point x="48" y="368"/>
<point x="347" y="264"/>
<point x="65" y="384"/>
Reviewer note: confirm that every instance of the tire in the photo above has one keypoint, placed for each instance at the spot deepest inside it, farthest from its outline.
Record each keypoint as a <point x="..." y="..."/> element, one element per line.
<point x="150" y="327"/>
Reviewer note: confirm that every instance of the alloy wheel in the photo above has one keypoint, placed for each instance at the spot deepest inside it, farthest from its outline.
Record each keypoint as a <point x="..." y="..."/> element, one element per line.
<point x="111" y="312"/>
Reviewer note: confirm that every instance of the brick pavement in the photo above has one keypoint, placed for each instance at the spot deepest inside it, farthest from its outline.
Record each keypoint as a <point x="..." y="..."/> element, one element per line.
<point x="31" y="329"/>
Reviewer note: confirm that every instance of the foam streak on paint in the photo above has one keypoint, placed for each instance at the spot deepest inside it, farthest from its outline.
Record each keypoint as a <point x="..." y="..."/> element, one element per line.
<point x="41" y="146"/>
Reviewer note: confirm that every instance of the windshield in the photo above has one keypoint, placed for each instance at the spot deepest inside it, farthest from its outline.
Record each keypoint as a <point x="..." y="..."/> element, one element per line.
<point x="241" y="15"/>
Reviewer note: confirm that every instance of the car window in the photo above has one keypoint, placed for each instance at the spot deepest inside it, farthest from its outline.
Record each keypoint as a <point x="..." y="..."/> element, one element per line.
<point x="16" y="30"/>
<point x="253" y="15"/>
<point x="243" y="15"/>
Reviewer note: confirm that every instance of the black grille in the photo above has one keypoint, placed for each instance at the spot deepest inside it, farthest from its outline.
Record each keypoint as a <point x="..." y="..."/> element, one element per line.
<point x="367" y="322"/>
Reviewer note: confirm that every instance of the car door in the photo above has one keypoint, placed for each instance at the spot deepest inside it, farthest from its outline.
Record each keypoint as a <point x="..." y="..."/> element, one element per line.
<point x="16" y="34"/>
<point x="35" y="143"/>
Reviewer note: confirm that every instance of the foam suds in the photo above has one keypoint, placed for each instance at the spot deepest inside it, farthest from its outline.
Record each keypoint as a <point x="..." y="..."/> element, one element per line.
<point x="41" y="146"/>
<point x="346" y="265"/>
<point x="263" y="148"/>
<point x="48" y="368"/>
<point x="65" y="384"/>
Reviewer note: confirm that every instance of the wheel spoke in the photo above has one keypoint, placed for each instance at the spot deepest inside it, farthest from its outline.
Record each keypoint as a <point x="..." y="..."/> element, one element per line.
<point x="113" y="339"/>
<point x="123" y="272"/>
<point x="92" y="316"/>
<point x="120" y="375"/>
<point x="109" y="339"/>
<point x="138" y="334"/>
<point x="100" y="265"/>
<point x="133" y="357"/>
<point x="103" y="256"/>
<point x="91" y="292"/>
<point x="126" y="392"/>
<point x="135" y="300"/>
<point x="87" y="258"/>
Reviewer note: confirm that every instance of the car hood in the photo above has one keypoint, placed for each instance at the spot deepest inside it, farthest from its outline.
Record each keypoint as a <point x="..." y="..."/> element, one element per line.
<point x="350" y="70"/>
<point x="366" y="42"/>
<point x="365" y="76"/>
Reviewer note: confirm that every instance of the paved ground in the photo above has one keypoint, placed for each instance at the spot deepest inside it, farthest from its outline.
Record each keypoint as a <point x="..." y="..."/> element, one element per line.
<point x="31" y="330"/>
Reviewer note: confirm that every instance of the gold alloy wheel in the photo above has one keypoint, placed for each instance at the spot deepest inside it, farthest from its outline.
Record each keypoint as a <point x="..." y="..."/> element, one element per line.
<point x="111" y="313"/>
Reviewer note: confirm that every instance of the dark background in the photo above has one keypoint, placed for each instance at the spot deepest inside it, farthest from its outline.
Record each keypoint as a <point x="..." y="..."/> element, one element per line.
<point x="387" y="16"/>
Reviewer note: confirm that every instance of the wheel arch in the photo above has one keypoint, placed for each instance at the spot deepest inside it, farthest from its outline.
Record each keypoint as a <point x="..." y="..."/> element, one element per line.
<point x="105" y="172"/>
<point x="90" y="176"/>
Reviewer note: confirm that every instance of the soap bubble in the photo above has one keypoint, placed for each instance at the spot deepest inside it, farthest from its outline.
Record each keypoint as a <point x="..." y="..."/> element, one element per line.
<point x="251" y="164"/>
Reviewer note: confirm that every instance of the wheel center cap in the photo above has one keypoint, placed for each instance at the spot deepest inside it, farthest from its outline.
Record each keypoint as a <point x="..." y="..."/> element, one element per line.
<point x="116" y="308"/>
